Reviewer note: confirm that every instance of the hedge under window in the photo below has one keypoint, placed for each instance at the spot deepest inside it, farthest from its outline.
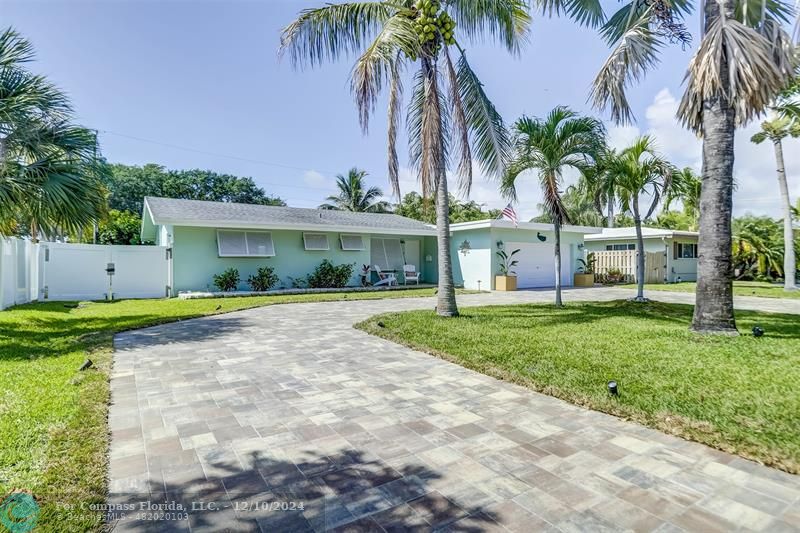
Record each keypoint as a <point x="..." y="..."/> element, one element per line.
<point x="351" y="242"/>
<point x="231" y="243"/>
<point x="315" y="241"/>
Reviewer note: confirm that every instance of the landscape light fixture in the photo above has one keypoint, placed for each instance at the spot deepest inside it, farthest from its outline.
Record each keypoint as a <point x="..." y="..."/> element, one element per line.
<point x="612" y="388"/>
<point x="758" y="331"/>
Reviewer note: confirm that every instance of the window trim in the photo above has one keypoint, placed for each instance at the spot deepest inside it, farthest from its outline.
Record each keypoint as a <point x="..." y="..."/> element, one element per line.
<point x="677" y="250"/>
<point x="246" y="243"/>
<point x="360" y="236"/>
<point x="305" y="242"/>
<point x="628" y="247"/>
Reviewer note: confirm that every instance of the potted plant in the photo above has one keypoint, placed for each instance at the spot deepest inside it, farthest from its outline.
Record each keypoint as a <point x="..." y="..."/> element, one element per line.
<point x="507" y="279"/>
<point x="584" y="276"/>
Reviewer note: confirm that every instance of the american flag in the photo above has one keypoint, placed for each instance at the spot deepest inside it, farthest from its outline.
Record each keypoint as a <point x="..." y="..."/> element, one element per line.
<point x="510" y="214"/>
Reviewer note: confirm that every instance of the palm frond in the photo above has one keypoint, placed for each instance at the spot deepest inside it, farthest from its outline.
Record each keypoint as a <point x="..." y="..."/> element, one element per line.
<point x="395" y="102"/>
<point x="585" y="12"/>
<point x="507" y="21"/>
<point x="427" y="124"/>
<point x="460" y="127"/>
<point x="14" y="49"/>
<point x="489" y="136"/>
<point x="332" y="31"/>
<point x="751" y="81"/>
<point x="378" y="61"/>
<point x="635" y="53"/>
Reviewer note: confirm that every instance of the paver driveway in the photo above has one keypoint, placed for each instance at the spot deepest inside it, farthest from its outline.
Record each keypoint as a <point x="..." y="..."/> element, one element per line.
<point x="246" y="417"/>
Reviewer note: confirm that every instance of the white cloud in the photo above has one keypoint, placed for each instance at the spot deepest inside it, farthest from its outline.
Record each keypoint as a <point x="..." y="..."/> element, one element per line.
<point x="312" y="178"/>
<point x="754" y="168"/>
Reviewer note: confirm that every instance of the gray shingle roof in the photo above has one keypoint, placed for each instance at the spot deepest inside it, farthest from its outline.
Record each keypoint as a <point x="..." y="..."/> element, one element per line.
<point x="200" y="213"/>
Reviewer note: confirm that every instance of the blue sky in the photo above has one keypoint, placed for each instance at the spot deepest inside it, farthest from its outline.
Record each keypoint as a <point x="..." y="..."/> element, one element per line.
<point x="158" y="76"/>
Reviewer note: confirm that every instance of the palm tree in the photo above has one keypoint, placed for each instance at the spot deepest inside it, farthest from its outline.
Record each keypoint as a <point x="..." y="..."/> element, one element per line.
<point x="580" y="208"/>
<point x="745" y="58"/>
<point x="49" y="170"/>
<point x="776" y="130"/>
<point x="757" y="247"/>
<point x="448" y="108"/>
<point x="354" y="197"/>
<point x="637" y="171"/>
<point x="686" y="186"/>
<point x="548" y="146"/>
<point x="596" y="182"/>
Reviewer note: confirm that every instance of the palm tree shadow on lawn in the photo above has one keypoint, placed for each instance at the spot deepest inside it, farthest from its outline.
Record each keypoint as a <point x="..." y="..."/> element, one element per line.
<point x="351" y="488"/>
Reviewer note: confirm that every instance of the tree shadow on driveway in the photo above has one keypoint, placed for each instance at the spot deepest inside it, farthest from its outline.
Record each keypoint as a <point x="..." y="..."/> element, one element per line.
<point x="350" y="490"/>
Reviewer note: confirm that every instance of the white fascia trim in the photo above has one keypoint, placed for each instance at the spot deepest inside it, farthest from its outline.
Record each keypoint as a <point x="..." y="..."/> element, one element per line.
<point x="626" y="237"/>
<point x="665" y="235"/>
<point x="507" y="224"/>
<point x="312" y="228"/>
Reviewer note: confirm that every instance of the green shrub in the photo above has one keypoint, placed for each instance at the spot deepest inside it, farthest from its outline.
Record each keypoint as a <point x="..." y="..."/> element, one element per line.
<point x="264" y="279"/>
<point x="228" y="280"/>
<point x="327" y="275"/>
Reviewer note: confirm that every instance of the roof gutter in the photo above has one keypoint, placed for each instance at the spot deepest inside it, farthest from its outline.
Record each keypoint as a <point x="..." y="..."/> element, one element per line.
<point x="300" y="227"/>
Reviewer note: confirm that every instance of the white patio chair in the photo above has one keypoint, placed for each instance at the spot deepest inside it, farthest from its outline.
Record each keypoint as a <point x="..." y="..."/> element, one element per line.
<point x="410" y="274"/>
<point x="384" y="278"/>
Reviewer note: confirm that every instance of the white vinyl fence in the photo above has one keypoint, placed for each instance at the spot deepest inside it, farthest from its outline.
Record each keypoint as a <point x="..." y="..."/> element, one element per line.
<point x="19" y="272"/>
<point x="63" y="271"/>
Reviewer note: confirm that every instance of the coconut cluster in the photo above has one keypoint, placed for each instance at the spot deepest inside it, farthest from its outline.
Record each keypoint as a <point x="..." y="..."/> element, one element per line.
<point x="430" y="22"/>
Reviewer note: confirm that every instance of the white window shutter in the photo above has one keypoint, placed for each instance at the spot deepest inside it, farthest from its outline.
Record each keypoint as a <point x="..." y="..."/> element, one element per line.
<point x="315" y="241"/>
<point x="351" y="242"/>
<point x="260" y="244"/>
<point x="231" y="243"/>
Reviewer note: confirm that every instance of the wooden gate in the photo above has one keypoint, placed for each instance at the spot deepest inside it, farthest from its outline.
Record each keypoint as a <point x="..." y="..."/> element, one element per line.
<point x="620" y="265"/>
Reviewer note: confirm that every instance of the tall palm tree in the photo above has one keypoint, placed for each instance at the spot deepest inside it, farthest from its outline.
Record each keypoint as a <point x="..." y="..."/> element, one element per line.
<point x="448" y="109"/>
<point x="638" y="171"/>
<point x="353" y="196"/>
<point x="744" y="59"/>
<point x="548" y="146"/>
<point x="776" y="130"/>
<point x="49" y="170"/>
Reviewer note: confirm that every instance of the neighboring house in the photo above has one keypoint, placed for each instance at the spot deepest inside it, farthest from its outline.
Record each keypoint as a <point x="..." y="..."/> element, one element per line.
<point x="679" y="247"/>
<point x="475" y="246"/>
<point x="208" y="237"/>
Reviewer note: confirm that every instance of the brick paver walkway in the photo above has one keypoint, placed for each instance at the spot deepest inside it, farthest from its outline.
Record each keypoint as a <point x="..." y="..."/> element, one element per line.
<point x="241" y="419"/>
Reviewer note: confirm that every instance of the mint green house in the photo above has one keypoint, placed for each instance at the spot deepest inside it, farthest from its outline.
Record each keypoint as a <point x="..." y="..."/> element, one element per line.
<point x="679" y="248"/>
<point x="206" y="238"/>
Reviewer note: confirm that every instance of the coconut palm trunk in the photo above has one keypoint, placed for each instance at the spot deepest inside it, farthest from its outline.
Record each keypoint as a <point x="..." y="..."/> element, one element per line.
<point x="713" y="310"/>
<point x="610" y="221"/>
<point x="557" y="229"/>
<point x="446" y="296"/>
<point x="640" y="255"/>
<point x="789" y="264"/>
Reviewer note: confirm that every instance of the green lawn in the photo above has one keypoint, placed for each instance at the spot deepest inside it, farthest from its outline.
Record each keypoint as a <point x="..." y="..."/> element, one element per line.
<point x="53" y="430"/>
<point x="739" y="394"/>
<point x="740" y="288"/>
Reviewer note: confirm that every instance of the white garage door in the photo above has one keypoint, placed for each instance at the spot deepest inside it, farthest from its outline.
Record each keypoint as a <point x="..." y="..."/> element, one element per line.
<point x="536" y="266"/>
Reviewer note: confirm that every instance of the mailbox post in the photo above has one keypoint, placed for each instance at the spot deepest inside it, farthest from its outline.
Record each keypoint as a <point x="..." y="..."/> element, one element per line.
<point x="110" y="269"/>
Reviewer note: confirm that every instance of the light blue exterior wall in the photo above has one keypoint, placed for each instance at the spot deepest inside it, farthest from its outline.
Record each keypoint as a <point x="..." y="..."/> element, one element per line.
<point x="195" y="257"/>
<point x="481" y="262"/>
